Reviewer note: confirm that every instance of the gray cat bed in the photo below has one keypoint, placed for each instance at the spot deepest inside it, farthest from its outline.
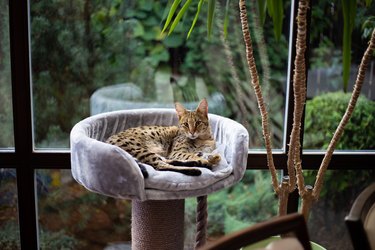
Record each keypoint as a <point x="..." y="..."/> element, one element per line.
<point x="109" y="170"/>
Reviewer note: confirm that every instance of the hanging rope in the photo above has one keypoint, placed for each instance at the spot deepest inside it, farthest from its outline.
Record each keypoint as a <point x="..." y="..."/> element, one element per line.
<point x="345" y="119"/>
<point x="201" y="221"/>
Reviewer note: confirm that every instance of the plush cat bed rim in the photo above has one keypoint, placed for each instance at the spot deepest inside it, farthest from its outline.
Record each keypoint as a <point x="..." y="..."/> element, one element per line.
<point x="80" y="138"/>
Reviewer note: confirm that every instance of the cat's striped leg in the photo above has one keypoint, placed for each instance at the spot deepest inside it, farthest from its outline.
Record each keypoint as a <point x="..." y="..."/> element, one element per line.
<point x="164" y="166"/>
<point x="195" y="160"/>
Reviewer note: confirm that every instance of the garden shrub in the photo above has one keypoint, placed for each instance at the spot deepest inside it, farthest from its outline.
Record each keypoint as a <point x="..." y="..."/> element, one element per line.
<point x="9" y="239"/>
<point x="323" y="114"/>
<point x="250" y="201"/>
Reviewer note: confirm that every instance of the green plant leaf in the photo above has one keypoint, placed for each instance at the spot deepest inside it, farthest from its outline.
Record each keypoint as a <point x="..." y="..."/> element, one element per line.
<point x="226" y="19"/>
<point x="210" y="16"/>
<point x="368" y="3"/>
<point x="179" y="15"/>
<point x="262" y="8"/>
<point x="270" y="7"/>
<point x="170" y="14"/>
<point x="195" y="18"/>
<point x="349" y="8"/>
<point x="276" y="11"/>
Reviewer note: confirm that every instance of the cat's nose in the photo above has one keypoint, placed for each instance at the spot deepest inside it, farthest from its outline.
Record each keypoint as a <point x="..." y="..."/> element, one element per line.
<point x="193" y="135"/>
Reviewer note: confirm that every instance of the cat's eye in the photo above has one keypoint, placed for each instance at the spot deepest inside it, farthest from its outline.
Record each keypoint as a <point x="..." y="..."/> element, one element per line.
<point x="197" y="123"/>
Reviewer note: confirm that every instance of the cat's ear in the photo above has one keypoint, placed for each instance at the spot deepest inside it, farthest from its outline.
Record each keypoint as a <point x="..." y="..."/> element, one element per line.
<point x="180" y="109"/>
<point x="203" y="107"/>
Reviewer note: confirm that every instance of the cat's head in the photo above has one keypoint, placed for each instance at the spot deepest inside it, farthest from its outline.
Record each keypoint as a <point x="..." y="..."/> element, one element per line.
<point x="194" y="124"/>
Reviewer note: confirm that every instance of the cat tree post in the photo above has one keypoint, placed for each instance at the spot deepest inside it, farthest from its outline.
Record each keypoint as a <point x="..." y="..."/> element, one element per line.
<point x="158" y="224"/>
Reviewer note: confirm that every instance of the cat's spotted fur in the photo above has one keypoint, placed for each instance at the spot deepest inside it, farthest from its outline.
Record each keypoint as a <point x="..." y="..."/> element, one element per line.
<point x="173" y="148"/>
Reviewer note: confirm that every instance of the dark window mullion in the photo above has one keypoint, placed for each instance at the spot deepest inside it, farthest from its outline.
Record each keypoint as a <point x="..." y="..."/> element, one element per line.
<point x="290" y="93"/>
<point x="22" y="116"/>
<point x="289" y="106"/>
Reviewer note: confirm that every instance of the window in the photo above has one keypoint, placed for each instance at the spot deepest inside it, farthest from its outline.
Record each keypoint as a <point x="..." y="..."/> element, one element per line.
<point x="71" y="217"/>
<point x="327" y="91"/>
<point x="111" y="55"/>
<point x="9" y="233"/>
<point x="60" y="59"/>
<point x="6" y="118"/>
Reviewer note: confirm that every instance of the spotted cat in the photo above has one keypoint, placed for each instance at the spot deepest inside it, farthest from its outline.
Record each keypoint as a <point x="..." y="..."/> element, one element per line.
<point x="179" y="148"/>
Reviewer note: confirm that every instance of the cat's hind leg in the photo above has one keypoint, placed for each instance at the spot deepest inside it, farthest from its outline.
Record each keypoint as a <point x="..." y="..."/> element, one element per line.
<point x="164" y="166"/>
<point x="196" y="160"/>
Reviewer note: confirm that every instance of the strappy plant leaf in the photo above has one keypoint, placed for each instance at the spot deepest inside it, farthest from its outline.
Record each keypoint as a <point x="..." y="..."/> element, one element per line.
<point x="226" y="19"/>
<point x="276" y="12"/>
<point x="262" y="9"/>
<point x="349" y="8"/>
<point x="166" y="12"/>
<point x="179" y="15"/>
<point x="195" y="18"/>
<point x="170" y="14"/>
<point x="210" y="16"/>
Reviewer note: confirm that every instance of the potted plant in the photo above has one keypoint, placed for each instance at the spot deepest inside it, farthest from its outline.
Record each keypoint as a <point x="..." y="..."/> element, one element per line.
<point x="295" y="178"/>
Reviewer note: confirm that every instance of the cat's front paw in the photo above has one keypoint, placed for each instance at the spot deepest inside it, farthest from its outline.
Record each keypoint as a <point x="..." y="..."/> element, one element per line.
<point x="214" y="159"/>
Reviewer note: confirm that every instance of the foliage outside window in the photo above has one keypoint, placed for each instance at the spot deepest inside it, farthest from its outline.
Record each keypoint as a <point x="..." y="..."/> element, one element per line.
<point x="92" y="44"/>
<point x="6" y="118"/>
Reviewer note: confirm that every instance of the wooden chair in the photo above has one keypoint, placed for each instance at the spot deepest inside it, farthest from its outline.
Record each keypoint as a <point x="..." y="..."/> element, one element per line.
<point x="291" y="223"/>
<point x="361" y="220"/>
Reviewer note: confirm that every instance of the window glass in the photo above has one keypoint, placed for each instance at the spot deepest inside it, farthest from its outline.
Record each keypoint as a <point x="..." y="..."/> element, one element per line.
<point x="9" y="228"/>
<point x="6" y="117"/>
<point x="92" y="57"/>
<point x="327" y="92"/>
<point x="250" y="201"/>
<point x="70" y="217"/>
<point x="326" y="223"/>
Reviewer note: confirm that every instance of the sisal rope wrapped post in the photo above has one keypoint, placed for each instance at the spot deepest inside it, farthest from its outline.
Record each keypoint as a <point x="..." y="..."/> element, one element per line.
<point x="158" y="224"/>
<point x="201" y="221"/>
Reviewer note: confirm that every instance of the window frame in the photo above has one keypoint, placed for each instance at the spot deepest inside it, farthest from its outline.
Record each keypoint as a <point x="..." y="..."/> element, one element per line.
<point x="26" y="160"/>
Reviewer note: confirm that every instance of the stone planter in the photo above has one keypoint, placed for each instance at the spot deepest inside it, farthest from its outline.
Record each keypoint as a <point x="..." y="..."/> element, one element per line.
<point x="127" y="96"/>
